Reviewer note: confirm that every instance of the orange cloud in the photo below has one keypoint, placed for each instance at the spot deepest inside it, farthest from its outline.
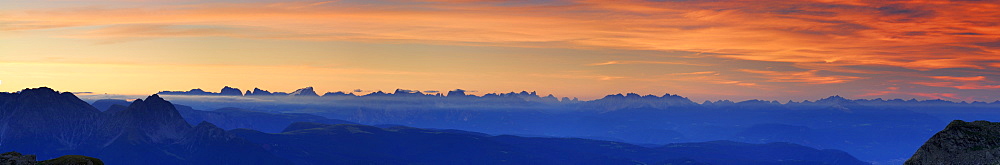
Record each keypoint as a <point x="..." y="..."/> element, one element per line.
<point x="579" y="76"/>
<point x="696" y="73"/>
<point x="746" y="84"/>
<point x="957" y="85"/>
<point x="959" y="82"/>
<point x="808" y="77"/>
<point x="644" y="62"/>
<point x="895" y="90"/>
<point x="952" y="78"/>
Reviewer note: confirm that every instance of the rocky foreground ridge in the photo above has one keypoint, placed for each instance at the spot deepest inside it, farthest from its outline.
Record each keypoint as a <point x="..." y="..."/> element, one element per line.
<point x="15" y="158"/>
<point x="961" y="142"/>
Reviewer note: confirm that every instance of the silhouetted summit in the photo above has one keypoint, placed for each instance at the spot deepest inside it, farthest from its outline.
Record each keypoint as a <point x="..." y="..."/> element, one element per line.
<point x="39" y="120"/>
<point x="307" y="91"/>
<point x="153" y="120"/>
<point x="259" y="92"/>
<point x="230" y="91"/>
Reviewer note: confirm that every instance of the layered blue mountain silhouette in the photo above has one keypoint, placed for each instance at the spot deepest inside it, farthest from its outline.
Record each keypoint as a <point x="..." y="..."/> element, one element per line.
<point x="155" y="131"/>
<point x="877" y="130"/>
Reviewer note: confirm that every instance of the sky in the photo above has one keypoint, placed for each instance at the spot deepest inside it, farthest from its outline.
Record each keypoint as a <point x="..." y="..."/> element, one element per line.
<point x="704" y="50"/>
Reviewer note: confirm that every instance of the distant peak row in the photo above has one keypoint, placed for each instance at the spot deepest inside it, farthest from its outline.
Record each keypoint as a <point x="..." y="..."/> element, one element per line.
<point x="458" y="93"/>
<point x="309" y="92"/>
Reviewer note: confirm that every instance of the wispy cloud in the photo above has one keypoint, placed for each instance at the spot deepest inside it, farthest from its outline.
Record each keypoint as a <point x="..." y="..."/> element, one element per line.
<point x="956" y="85"/>
<point x="579" y="76"/>
<point x="895" y="90"/>
<point x="952" y="78"/>
<point x="808" y="77"/>
<point x="696" y="73"/>
<point x="974" y="82"/>
<point x="645" y="62"/>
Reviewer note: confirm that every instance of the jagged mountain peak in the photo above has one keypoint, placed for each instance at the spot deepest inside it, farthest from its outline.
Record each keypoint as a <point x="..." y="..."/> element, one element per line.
<point x="157" y="119"/>
<point x="39" y="90"/>
<point x="307" y="91"/>
<point x="152" y="102"/>
<point x="230" y="91"/>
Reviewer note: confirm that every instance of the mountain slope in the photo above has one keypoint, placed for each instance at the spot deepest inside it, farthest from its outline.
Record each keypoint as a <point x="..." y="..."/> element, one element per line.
<point x="314" y="143"/>
<point x="45" y="122"/>
<point x="961" y="142"/>
<point x="151" y="131"/>
<point x="232" y="118"/>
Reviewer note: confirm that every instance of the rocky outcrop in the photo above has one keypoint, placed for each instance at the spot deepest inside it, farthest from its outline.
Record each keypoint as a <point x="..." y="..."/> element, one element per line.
<point x="15" y="158"/>
<point x="73" y="160"/>
<point x="961" y="142"/>
<point x="258" y="92"/>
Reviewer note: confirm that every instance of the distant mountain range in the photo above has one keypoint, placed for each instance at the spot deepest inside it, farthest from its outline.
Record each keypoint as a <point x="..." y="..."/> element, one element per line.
<point x="154" y="131"/>
<point x="877" y="130"/>
<point x="672" y="99"/>
<point x="313" y="143"/>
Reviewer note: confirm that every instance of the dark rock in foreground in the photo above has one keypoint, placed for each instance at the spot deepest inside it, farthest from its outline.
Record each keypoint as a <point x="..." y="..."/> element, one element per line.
<point x="961" y="142"/>
<point x="73" y="160"/>
<point x="15" y="158"/>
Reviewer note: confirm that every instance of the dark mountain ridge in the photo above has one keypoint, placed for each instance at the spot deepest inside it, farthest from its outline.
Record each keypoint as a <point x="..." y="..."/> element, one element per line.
<point x="862" y="127"/>
<point x="655" y="101"/>
<point x="148" y="131"/>
<point x="154" y="131"/>
<point x="360" y="144"/>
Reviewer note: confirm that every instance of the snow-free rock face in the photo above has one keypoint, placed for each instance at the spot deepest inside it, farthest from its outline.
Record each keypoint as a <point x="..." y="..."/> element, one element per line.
<point x="307" y="91"/>
<point x="230" y="91"/>
<point x="258" y="92"/>
<point x="14" y="158"/>
<point x="961" y="142"/>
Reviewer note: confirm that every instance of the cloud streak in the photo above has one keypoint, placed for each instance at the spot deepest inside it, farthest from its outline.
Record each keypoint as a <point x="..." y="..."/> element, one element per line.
<point x="644" y="62"/>
<point x="808" y="77"/>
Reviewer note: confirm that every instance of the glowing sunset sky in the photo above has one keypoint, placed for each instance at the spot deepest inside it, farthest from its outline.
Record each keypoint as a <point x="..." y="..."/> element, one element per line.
<point x="700" y="49"/>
